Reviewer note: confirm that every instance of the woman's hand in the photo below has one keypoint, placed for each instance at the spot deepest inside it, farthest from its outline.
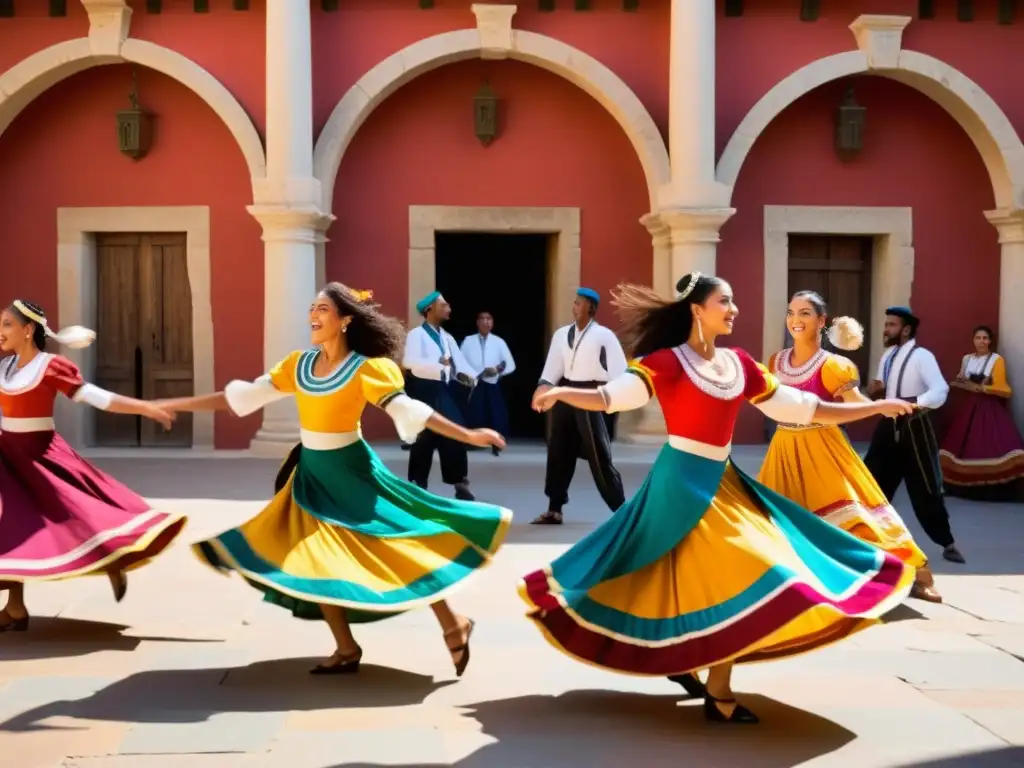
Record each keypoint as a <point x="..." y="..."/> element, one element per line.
<point x="484" y="438"/>
<point x="893" y="408"/>
<point x="160" y="414"/>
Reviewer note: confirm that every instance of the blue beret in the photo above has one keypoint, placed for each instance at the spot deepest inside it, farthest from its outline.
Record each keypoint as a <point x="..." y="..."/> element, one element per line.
<point x="589" y="293"/>
<point x="424" y="304"/>
<point x="903" y="312"/>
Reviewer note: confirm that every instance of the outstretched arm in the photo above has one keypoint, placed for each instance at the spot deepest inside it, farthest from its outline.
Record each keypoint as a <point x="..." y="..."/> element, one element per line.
<point x="215" y="402"/>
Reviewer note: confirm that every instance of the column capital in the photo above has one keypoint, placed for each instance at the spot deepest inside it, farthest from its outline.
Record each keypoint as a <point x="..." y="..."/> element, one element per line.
<point x="294" y="225"/>
<point x="687" y="225"/>
<point x="880" y="38"/>
<point x="1009" y="222"/>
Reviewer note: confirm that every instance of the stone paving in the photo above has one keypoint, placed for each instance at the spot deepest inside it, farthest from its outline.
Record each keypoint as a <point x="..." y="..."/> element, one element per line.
<point x="192" y="670"/>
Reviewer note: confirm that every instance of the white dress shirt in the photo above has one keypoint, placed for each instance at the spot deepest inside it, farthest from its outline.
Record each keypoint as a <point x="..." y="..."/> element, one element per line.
<point x="921" y="377"/>
<point x="422" y="356"/>
<point x="488" y="351"/>
<point x="582" y="360"/>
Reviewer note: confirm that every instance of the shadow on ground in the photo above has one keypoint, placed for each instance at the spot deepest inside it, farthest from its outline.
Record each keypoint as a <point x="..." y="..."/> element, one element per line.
<point x="993" y="758"/>
<point x="614" y="729"/>
<point x="55" y="638"/>
<point x="194" y="695"/>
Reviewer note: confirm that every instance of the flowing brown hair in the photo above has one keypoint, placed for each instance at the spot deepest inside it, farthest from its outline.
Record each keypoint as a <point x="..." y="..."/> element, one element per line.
<point x="650" y="322"/>
<point x="371" y="333"/>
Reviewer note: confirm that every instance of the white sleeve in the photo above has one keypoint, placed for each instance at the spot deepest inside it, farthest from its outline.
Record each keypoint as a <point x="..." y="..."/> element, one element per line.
<point x="245" y="397"/>
<point x="506" y="356"/>
<point x="789" y="405"/>
<point x="415" y="358"/>
<point x="937" y="389"/>
<point x="95" y="396"/>
<point x="461" y="363"/>
<point x="626" y="392"/>
<point x="410" y="416"/>
<point x="554" y="366"/>
<point x="614" y="355"/>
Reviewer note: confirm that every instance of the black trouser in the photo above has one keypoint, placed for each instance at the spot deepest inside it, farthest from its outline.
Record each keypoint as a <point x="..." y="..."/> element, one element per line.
<point x="454" y="463"/>
<point x="906" y="449"/>
<point x="580" y="434"/>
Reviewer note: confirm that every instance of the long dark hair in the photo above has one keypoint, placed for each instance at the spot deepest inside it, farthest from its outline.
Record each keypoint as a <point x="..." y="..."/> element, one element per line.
<point x="371" y="333"/>
<point x="38" y="331"/>
<point x="650" y="322"/>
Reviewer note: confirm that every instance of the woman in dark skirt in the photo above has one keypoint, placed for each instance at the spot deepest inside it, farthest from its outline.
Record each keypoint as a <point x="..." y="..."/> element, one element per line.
<point x="982" y="455"/>
<point x="61" y="517"/>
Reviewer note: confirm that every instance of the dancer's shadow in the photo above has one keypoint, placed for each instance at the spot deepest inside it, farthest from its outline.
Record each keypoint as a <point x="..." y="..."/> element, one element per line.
<point x="1002" y="757"/>
<point x="599" y="729"/>
<point x="194" y="695"/>
<point x="57" y="638"/>
<point x="903" y="612"/>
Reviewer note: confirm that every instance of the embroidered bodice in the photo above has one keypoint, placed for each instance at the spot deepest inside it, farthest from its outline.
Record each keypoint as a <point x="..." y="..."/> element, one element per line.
<point x="335" y="403"/>
<point x="30" y="392"/>
<point x="700" y="398"/>
<point x="825" y="374"/>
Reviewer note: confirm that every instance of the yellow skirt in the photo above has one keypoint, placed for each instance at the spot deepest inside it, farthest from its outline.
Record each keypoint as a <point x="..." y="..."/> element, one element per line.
<point x="818" y="469"/>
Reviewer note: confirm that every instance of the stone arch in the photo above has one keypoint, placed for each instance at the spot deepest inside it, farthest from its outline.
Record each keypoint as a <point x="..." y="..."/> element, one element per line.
<point x="33" y="75"/>
<point x="545" y="52"/>
<point x="981" y="118"/>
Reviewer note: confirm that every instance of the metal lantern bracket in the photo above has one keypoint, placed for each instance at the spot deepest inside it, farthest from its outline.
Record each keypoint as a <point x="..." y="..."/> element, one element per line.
<point x="485" y="114"/>
<point x="850" y="119"/>
<point x="134" y="126"/>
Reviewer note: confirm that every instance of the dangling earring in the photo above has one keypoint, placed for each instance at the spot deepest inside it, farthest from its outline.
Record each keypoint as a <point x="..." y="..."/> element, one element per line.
<point x="700" y="334"/>
<point x="344" y="328"/>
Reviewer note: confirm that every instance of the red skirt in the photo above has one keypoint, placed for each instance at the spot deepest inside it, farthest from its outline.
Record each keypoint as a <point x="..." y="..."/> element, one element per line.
<point x="982" y="448"/>
<point x="61" y="517"/>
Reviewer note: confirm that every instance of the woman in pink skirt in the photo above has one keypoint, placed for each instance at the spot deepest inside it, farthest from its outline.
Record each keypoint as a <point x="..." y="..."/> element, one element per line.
<point x="982" y="453"/>
<point x="59" y="516"/>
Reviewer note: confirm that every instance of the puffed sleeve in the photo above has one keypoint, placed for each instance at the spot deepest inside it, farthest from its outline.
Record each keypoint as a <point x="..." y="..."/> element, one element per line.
<point x="778" y="402"/>
<point x="640" y="382"/>
<point x="245" y="397"/>
<point x="63" y="376"/>
<point x="1000" y="385"/>
<point x="384" y="386"/>
<point x="839" y="375"/>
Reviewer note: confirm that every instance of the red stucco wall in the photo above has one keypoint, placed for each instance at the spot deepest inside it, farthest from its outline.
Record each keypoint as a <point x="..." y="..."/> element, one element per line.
<point x="62" y="151"/>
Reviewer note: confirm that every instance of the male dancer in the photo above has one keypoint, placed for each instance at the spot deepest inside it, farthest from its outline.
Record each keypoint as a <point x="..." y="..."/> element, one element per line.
<point x="488" y="353"/>
<point x="433" y="362"/>
<point x="586" y="355"/>
<point x="905" y="448"/>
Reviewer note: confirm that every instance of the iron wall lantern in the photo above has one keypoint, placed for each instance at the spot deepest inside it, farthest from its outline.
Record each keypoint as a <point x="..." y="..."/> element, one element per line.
<point x="485" y="115"/>
<point x="134" y="127"/>
<point x="849" y="127"/>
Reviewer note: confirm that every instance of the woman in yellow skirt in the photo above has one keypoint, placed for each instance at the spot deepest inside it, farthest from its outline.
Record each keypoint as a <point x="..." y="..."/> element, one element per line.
<point x="704" y="567"/>
<point x="814" y="464"/>
<point x="344" y="540"/>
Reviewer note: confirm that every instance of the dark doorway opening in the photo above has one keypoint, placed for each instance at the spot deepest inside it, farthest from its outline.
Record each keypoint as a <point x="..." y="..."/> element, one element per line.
<point x="506" y="275"/>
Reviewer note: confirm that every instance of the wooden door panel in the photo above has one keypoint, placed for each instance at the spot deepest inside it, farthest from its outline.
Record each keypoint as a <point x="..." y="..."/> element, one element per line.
<point x="117" y="325"/>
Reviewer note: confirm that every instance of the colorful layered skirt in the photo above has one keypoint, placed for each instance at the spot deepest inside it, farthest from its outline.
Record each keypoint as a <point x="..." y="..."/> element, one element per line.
<point x="982" y="453"/>
<point x="704" y="565"/>
<point x="61" y="517"/>
<point x="816" y="467"/>
<point x="343" y="530"/>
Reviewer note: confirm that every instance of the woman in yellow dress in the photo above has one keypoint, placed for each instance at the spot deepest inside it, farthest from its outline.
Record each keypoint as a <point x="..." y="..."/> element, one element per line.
<point x="345" y="540"/>
<point x="815" y="465"/>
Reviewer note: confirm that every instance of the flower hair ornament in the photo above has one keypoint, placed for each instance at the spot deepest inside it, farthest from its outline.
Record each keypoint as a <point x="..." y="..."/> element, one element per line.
<point x="694" y="277"/>
<point x="846" y="333"/>
<point x="361" y="296"/>
<point x="74" y="336"/>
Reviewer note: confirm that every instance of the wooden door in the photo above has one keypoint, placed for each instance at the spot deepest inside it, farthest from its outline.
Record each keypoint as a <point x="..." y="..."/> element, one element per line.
<point x="144" y="328"/>
<point x="838" y="268"/>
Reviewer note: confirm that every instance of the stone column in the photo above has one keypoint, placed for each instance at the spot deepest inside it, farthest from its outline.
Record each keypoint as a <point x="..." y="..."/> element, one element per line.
<point x="287" y="206"/>
<point x="1010" y="225"/>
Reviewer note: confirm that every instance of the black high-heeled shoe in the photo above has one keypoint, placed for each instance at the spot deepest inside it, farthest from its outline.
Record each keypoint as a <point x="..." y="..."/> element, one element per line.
<point x="345" y="665"/>
<point x="119" y="582"/>
<point x="740" y="714"/>
<point x="691" y="684"/>
<point x="15" y="625"/>
<point x="463" y="649"/>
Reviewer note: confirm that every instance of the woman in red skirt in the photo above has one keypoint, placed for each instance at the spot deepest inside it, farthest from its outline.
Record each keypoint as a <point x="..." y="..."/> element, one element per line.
<point x="59" y="516"/>
<point x="982" y="455"/>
